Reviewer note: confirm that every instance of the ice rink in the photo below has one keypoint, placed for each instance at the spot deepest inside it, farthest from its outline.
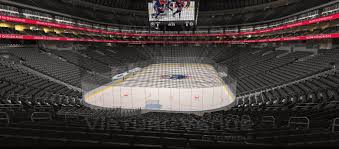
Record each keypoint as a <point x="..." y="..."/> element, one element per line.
<point x="158" y="87"/>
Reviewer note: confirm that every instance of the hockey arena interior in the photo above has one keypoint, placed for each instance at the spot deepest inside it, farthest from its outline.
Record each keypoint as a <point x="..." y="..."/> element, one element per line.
<point x="169" y="73"/>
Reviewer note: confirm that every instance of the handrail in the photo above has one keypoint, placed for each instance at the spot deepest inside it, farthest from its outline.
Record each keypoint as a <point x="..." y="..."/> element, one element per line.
<point x="235" y="116"/>
<point x="6" y="117"/>
<point x="42" y="107"/>
<point x="48" y="117"/>
<point x="305" y="118"/>
<point x="269" y="119"/>
<point x="334" y="124"/>
<point x="305" y="104"/>
<point x="10" y="106"/>
<point x="246" y="117"/>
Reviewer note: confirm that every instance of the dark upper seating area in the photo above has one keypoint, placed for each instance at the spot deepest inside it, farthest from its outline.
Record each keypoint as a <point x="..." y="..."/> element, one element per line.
<point x="205" y="18"/>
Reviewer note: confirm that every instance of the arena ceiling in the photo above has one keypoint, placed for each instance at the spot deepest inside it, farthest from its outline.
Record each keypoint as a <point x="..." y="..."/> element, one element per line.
<point x="205" y="5"/>
<point x="211" y="12"/>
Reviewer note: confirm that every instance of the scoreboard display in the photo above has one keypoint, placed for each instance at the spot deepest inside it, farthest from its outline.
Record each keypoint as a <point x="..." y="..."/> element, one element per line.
<point x="172" y="13"/>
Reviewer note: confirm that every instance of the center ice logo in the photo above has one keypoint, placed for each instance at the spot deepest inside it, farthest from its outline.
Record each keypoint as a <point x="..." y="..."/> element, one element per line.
<point x="175" y="77"/>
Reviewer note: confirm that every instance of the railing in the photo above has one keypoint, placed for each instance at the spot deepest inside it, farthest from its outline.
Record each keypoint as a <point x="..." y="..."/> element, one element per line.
<point x="4" y="117"/>
<point x="268" y="119"/>
<point x="334" y="124"/>
<point x="41" y="116"/>
<point x="246" y="122"/>
<point x="43" y="107"/>
<point x="306" y="105"/>
<point x="236" y="121"/>
<point x="293" y="121"/>
<point x="11" y="106"/>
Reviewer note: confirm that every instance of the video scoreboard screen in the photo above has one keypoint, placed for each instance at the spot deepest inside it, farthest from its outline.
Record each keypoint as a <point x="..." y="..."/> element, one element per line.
<point x="172" y="13"/>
